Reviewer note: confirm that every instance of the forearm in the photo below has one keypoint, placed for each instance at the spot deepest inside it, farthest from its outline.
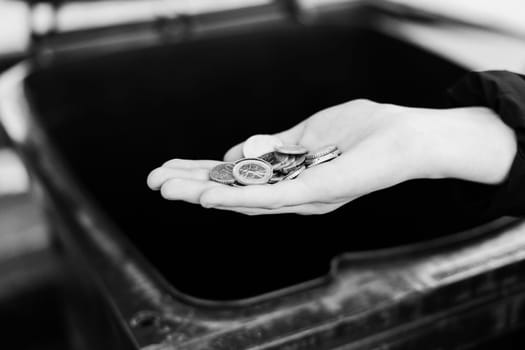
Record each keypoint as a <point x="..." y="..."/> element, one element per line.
<point x="470" y="143"/>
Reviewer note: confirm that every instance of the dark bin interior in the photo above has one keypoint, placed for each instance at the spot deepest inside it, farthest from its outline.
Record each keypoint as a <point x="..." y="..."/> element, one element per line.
<point x="115" y="118"/>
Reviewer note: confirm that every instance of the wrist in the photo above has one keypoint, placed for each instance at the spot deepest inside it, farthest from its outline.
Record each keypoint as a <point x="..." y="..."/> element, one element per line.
<point x="469" y="143"/>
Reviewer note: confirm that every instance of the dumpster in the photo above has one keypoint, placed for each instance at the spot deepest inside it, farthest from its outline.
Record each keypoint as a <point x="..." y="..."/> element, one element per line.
<point x="91" y="118"/>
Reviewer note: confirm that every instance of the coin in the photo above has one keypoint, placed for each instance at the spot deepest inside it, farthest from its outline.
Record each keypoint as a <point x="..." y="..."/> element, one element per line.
<point x="281" y="156"/>
<point x="257" y="145"/>
<point x="325" y="158"/>
<point x="271" y="167"/>
<point x="285" y="162"/>
<point x="270" y="157"/>
<point x="252" y="171"/>
<point x="296" y="163"/>
<point x="293" y="174"/>
<point x="276" y="178"/>
<point x="321" y="152"/>
<point x="223" y="173"/>
<point x="291" y="149"/>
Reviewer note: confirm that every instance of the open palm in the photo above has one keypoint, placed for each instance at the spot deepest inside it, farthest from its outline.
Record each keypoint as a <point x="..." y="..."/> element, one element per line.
<point x="374" y="156"/>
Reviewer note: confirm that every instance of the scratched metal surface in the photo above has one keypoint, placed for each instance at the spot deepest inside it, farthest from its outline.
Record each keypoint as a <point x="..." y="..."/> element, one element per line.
<point x="437" y="297"/>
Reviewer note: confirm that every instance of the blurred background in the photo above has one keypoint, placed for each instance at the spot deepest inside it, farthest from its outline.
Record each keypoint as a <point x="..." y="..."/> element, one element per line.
<point x="477" y="34"/>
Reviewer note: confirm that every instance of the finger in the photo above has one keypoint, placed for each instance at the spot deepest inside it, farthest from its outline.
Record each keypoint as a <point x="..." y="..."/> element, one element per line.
<point x="292" y="135"/>
<point x="304" y="209"/>
<point x="185" y="190"/>
<point x="160" y="175"/>
<point x="190" y="163"/>
<point x="261" y="196"/>
<point x="234" y="153"/>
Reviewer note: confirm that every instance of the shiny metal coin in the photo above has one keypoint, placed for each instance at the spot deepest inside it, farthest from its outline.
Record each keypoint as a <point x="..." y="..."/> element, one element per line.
<point x="322" y="159"/>
<point x="297" y="162"/>
<point x="252" y="171"/>
<point x="276" y="178"/>
<point x="291" y="149"/>
<point x="281" y="157"/>
<point x="282" y="160"/>
<point x="293" y="174"/>
<point x="223" y="173"/>
<point x="321" y="152"/>
<point x="286" y="162"/>
<point x="270" y="157"/>
<point x="258" y="145"/>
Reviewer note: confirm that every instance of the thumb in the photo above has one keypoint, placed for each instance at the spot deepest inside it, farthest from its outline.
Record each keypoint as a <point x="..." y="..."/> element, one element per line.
<point x="291" y="136"/>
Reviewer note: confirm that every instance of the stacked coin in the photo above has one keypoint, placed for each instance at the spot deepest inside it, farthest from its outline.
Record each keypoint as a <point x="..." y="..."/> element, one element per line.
<point x="286" y="162"/>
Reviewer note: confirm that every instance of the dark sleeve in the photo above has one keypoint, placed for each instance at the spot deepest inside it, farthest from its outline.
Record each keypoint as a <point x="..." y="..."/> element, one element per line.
<point x="504" y="93"/>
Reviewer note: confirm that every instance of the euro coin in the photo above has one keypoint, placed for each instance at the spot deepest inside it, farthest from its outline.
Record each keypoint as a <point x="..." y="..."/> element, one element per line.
<point x="322" y="159"/>
<point x="321" y="152"/>
<point x="296" y="163"/>
<point x="223" y="173"/>
<point x="281" y="156"/>
<point x="286" y="162"/>
<point x="293" y="174"/>
<point x="270" y="157"/>
<point x="258" y="145"/>
<point x="276" y="178"/>
<point x="291" y="149"/>
<point x="252" y="171"/>
<point x="282" y="162"/>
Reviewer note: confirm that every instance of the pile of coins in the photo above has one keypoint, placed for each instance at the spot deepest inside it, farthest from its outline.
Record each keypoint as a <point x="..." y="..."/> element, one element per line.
<point x="283" y="162"/>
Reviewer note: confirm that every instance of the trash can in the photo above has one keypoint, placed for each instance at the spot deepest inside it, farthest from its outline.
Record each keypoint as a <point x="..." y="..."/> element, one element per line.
<point x="92" y="118"/>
